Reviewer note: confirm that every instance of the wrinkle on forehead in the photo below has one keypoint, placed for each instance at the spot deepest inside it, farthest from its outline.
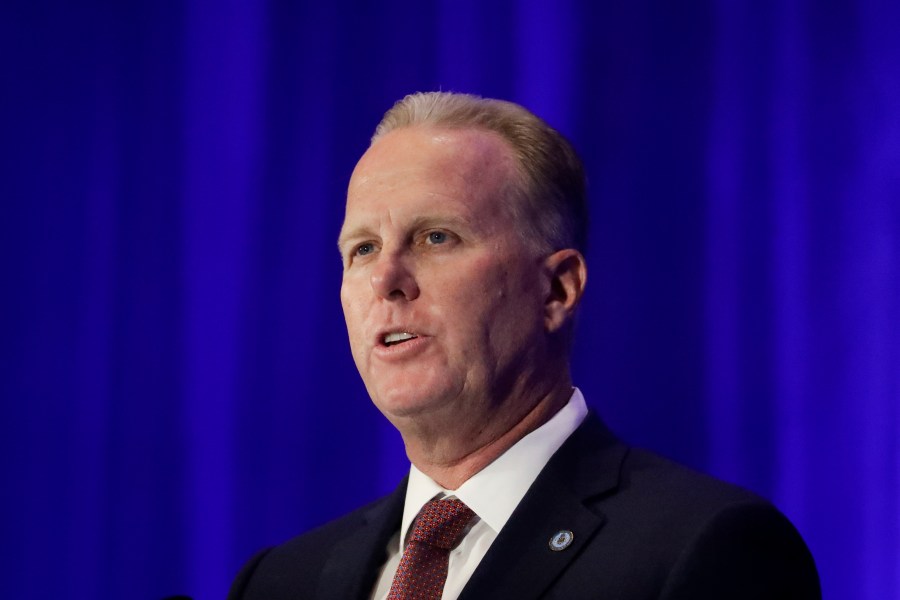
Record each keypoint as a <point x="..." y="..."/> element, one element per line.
<point x="462" y="169"/>
<point x="475" y="155"/>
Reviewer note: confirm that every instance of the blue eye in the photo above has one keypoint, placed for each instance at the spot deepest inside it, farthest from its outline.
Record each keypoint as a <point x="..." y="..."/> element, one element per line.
<point x="364" y="249"/>
<point x="437" y="237"/>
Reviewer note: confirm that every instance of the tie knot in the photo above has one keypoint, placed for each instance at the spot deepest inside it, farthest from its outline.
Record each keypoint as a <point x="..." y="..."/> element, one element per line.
<point x="441" y="523"/>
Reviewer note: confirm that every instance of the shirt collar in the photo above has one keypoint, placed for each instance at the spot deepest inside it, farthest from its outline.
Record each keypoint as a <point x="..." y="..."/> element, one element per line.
<point x="495" y="491"/>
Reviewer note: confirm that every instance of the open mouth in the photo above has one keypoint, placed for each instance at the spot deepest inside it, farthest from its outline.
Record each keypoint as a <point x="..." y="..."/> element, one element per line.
<point x="392" y="339"/>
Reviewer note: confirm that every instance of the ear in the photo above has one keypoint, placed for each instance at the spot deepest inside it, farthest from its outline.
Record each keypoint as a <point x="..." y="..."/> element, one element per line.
<point x="567" y="271"/>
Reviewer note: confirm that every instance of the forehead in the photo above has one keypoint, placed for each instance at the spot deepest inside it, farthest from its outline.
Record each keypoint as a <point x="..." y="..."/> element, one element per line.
<point x="418" y="163"/>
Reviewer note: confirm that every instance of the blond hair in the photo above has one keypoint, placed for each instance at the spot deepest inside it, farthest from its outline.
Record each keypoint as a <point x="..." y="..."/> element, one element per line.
<point x="552" y="183"/>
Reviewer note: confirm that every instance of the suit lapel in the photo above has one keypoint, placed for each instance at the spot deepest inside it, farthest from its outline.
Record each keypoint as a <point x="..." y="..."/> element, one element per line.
<point x="520" y="563"/>
<point x="355" y="561"/>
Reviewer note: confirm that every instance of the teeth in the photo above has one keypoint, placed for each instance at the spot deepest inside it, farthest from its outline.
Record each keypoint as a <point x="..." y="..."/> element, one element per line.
<point x="401" y="336"/>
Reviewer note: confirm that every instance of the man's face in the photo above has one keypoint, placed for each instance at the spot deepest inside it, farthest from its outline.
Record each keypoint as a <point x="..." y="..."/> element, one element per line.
<point x="442" y="297"/>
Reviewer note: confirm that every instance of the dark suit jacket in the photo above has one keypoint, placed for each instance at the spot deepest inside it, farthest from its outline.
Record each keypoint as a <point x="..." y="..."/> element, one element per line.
<point x="644" y="528"/>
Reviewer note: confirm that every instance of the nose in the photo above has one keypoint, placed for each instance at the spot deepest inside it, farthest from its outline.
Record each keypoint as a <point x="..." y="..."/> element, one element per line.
<point x="392" y="279"/>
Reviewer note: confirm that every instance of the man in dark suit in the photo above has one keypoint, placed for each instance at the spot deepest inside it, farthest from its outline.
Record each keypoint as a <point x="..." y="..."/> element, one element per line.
<point x="462" y="247"/>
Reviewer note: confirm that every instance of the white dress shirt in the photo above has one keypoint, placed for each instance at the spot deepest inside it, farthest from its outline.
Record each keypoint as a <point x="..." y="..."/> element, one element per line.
<point x="492" y="493"/>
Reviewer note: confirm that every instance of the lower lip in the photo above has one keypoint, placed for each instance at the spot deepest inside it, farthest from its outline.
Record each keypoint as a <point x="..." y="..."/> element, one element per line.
<point x="402" y="350"/>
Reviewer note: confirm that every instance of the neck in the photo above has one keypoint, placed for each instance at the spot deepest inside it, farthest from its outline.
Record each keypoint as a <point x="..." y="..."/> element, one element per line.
<point x="453" y="458"/>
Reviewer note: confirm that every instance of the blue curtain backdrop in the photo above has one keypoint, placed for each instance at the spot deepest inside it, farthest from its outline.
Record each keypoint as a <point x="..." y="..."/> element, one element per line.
<point x="176" y="383"/>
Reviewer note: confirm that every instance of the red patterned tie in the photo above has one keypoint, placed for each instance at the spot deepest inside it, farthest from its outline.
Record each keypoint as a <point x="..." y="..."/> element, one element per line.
<point x="423" y="567"/>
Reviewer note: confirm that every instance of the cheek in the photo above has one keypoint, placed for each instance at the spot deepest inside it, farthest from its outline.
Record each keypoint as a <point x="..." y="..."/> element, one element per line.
<point x="511" y="304"/>
<point x="475" y="300"/>
<point x="462" y="292"/>
<point x="354" y="314"/>
<point x="347" y="307"/>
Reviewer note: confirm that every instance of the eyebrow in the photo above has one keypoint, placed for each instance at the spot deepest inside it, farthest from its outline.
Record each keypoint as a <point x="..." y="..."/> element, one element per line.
<point x="420" y="222"/>
<point x="345" y="237"/>
<point x="425" y="222"/>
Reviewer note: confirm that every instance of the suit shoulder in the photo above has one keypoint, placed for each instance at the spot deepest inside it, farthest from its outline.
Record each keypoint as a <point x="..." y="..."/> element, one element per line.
<point x="702" y="537"/>
<point x="315" y="543"/>
<point x="672" y="532"/>
<point x="294" y="567"/>
<point x="674" y="502"/>
<point x="598" y="463"/>
<point x="657" y="478"/>
<point x="328" y="533"/>
<point x="746" y="550"/>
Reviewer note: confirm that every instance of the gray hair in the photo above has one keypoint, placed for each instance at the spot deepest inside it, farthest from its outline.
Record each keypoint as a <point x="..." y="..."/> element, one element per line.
<point x="552" y="183"/>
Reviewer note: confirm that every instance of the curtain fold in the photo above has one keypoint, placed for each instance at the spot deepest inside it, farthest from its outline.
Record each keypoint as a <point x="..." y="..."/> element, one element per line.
<point x="176" y="376"/>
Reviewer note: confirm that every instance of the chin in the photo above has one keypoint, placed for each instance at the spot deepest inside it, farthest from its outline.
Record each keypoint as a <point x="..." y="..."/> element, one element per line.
<point x="400" y="404"/>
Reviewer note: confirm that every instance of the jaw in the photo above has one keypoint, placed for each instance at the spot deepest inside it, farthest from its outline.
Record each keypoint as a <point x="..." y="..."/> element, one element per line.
<point x="452" y="453"/>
